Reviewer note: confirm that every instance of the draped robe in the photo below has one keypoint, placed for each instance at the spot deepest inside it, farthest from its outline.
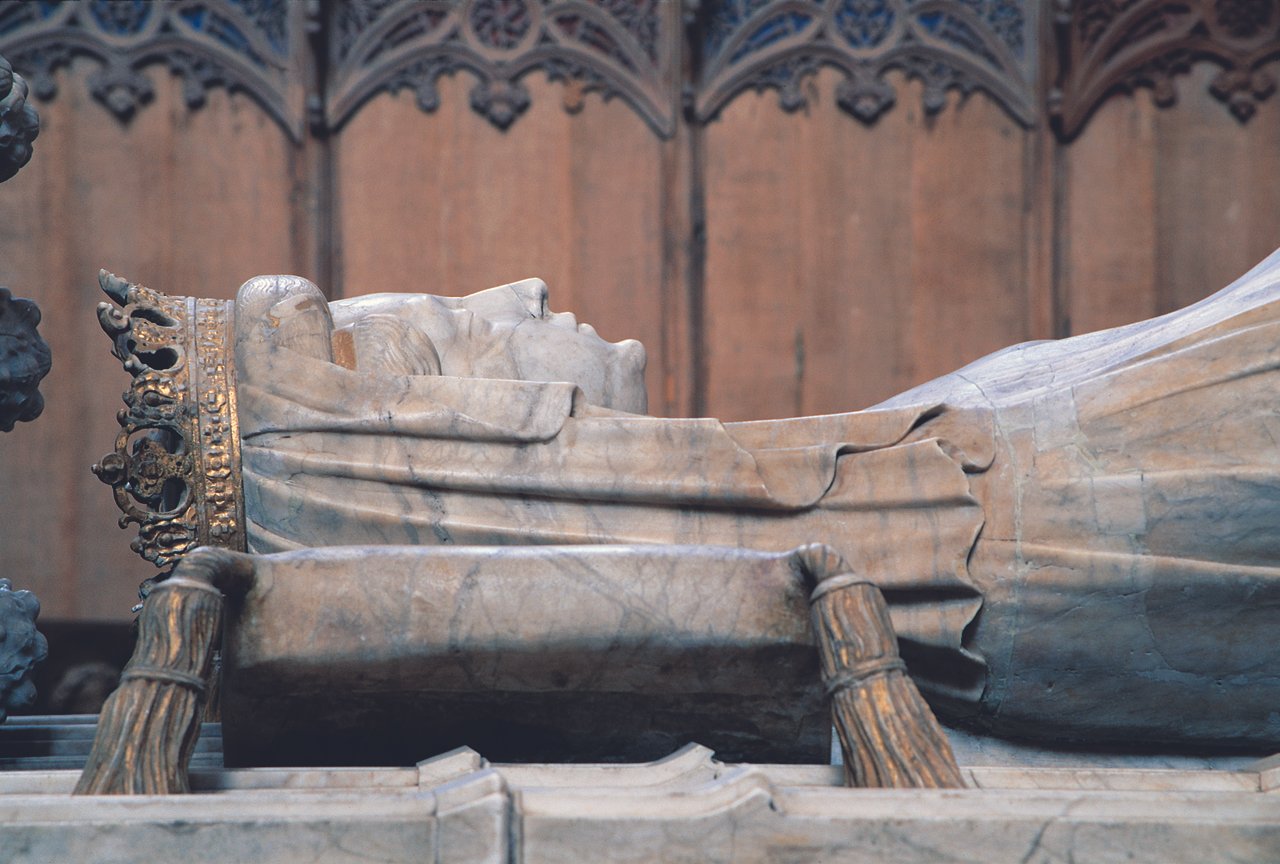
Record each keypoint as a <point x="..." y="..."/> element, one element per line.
<point x="1076" y="538"/>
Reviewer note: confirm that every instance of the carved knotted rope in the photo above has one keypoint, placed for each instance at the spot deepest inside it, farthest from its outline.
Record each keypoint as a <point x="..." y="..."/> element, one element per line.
<point x="887" y="733"/>
<point x="154" y="673"/>
<point x="148" y="728"/>
<point x="859" y="673"/>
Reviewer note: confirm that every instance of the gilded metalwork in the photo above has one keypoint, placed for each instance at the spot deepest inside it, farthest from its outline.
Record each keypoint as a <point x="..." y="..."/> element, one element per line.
<point x="175" y="470"/>
<point x="148" y="727"/>
<point x="888" y="734"/>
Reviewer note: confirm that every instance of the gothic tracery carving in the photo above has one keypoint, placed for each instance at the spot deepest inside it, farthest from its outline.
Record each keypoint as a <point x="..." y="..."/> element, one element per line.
<point x="238" y="44"/>
<point x="1109" y="45"/>
<point x="947" y="44"/>
<point x="613" y="47"/>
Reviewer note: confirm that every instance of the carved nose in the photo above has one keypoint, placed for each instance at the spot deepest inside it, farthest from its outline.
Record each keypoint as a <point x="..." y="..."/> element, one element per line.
<point x="533" y="296"/>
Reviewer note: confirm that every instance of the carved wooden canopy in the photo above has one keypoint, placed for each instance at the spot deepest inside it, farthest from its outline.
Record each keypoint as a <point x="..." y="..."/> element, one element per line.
<point x="1110" y="45"/>
<point x="665" y="58"/>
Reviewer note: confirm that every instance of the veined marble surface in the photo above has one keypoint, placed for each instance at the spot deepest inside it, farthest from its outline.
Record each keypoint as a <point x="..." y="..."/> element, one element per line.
<point x="352" y="655"/>
<point x="457" y="807"/>
<point x="1079" y="540"/>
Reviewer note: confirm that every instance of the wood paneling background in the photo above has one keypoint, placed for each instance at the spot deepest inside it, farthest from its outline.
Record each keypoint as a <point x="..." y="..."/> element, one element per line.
<point x="773" y="263"/>
<point x="448" y="204"/>
<point x="190" y="202"/>
<point x="847" y="263"/>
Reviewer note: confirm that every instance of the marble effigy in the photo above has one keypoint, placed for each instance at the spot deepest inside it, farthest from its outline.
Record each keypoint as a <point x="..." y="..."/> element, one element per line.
<point x="1077" y="540"/>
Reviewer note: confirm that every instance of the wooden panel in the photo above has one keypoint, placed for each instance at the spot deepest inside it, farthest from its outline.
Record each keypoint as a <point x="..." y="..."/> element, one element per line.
<point x="1218" y="198"/>
<point x="187" y="202"/>
<point x="1164" y="207"/>
<point x="847" y="263"/>
<point x="1107" y="225"/>
<point x="445" y="203"/>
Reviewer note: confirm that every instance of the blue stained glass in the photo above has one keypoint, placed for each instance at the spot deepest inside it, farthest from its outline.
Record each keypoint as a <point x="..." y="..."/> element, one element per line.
<point x="15" y="16"/>
<point x="195" y="17"/>
<point x="219" y="28"/>
<point x="270" y="17"/>
<point x="727" y="17"/>
<point x="1005" y="18"/>
<point x="864" y="23"/>
<point x="773" y="30"/>
<point x="951" y="29"/>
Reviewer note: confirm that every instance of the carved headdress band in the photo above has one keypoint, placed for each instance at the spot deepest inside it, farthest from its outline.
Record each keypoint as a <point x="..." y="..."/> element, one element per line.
<point x="175" y="471"/>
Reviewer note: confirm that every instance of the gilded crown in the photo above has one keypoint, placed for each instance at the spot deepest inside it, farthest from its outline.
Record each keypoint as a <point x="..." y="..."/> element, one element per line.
<point x="175" y="470"/>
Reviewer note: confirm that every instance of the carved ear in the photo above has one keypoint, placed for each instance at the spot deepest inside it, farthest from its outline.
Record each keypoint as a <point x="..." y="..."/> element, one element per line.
<point x="388" y="345"/>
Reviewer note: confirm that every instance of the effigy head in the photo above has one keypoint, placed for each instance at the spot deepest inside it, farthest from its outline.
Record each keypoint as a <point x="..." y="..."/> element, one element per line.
<point x="24" y="361"/>
<point x="22" y="646"/>
<point x="508" y="332"/>
<point x="19" y="123"/>
<point x="175" y="470"/>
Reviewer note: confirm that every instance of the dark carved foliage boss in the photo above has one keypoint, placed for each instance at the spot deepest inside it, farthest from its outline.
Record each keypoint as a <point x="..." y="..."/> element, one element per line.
<point x="19" y="123"/>
<point x="24" y="361"/>
<point x="22" y="646"/>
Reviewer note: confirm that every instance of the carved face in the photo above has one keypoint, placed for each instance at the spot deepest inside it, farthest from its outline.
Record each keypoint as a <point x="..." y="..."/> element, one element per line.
<point x="505" y="332"/>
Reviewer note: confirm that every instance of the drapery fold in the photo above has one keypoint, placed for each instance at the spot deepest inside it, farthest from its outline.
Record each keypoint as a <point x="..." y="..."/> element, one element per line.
<point x="1032" y="518"/>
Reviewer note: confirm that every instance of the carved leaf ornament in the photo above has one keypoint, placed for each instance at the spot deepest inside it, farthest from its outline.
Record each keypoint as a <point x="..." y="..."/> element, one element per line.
<point x="1109" y="45"/>
<point x="613" y="47"/>
<point x="947" y="44"/>
<point x="633" y="49"/>
<point x="237" y="44"/>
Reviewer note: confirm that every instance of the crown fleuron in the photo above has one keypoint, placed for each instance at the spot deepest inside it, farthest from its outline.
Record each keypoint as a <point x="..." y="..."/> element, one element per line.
<point x="175" y="470"/>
